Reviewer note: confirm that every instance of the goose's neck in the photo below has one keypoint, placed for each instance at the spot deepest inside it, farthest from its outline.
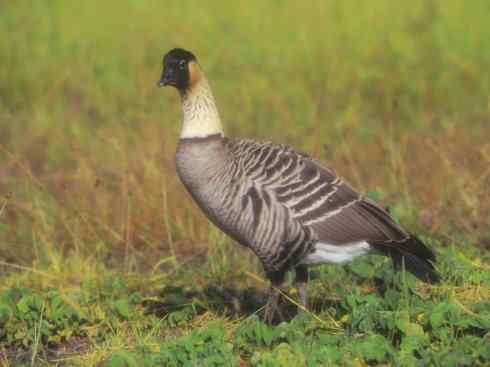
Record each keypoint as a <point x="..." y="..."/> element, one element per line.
<point x="200" y="115"/>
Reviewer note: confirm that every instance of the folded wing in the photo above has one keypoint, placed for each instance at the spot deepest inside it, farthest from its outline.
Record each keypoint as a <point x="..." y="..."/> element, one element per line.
<point x="331" y="209"/>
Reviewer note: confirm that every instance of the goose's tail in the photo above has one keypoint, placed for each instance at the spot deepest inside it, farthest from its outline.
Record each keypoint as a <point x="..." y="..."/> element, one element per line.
<point x="417" y="258"/>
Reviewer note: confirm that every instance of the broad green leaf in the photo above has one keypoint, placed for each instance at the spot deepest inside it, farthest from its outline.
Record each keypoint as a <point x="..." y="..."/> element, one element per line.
<point x="373" y="348"/>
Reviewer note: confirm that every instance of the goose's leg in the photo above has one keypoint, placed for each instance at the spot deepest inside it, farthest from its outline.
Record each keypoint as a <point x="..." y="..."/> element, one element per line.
<point x="272" y="305"/>
<point x="300" y="283"/>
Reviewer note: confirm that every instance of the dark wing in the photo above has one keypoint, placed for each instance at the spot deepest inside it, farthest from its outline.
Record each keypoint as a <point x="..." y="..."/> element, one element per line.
<point x="339" y="215"/>
<point x="324" y="203"/>
<point x="315" y="196"/>
<point x="336" y="213"/>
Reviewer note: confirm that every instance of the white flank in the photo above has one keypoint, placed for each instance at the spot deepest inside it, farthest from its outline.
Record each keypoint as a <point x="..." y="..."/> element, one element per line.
<point x="200" y="115"/>
<point x="335" y="254"/>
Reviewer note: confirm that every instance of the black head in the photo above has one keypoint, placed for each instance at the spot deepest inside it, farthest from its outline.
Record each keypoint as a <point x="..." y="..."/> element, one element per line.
<point x="176" y="69"/>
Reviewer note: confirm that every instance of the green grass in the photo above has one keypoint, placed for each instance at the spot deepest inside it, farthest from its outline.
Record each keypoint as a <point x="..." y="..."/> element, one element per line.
<point x="360" y="314"/>
<point x="104" y="259"/>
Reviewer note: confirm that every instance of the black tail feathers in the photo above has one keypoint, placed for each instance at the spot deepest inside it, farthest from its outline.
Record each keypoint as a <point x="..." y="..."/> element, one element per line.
<point x="417" y="258"/>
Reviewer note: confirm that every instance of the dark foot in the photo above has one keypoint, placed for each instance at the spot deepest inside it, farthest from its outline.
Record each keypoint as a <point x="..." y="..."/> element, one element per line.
<point x="272" y="307"/>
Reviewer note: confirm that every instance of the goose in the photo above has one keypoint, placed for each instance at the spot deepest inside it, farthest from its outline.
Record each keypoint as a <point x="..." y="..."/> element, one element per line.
<point x="289" y="209"/>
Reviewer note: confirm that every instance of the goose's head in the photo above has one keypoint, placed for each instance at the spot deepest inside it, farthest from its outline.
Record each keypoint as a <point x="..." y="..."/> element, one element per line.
<point x="180" y="70"/>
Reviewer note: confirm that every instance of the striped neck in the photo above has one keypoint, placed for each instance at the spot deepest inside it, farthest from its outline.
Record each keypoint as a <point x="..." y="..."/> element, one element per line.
<point x="200" y="115"/>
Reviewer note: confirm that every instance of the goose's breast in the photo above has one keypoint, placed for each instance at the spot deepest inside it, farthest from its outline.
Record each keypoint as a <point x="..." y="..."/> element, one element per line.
<point x="205" y="173"/>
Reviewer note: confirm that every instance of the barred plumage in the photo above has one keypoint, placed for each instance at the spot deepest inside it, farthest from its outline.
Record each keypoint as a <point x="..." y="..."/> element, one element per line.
<point x="239" y="195"/>
<point x="286" y="207"/>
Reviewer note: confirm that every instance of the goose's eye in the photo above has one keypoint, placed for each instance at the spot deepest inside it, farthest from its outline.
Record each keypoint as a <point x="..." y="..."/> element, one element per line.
<point x="181" y="64"/>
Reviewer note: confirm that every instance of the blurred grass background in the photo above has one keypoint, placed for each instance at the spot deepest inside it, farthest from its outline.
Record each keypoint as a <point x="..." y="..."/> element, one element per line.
<point x="394" y="96"/>
<point x="103" y="253"/>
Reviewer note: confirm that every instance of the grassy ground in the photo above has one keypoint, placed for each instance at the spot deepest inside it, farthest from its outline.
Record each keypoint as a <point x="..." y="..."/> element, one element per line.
<point x="105" y="260"/>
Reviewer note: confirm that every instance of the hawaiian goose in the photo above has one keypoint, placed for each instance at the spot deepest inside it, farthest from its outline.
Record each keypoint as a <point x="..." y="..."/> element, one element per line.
<point x="286" y="207"/>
